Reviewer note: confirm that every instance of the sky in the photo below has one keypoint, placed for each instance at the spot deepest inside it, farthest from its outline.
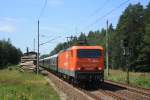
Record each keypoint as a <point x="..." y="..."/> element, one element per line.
<point x="59" y="19"/>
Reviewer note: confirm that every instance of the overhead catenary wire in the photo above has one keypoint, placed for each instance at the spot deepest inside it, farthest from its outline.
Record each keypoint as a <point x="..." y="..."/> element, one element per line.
<point x="105" y="15"/>
<point x="50" y="40"/>
<point x="99" y="9"/>
<point x="42" y="9"/>
<point x="102" y="17"/>
<point x="106" y="2"/>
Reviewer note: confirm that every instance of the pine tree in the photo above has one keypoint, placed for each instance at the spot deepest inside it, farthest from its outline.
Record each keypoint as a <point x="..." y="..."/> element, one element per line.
<point x="130" y="27"/>
<point x="146" y="49"/>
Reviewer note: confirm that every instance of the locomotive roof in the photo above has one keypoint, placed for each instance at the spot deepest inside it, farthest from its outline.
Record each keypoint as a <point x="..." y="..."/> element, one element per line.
<point x="74" y="47"/>
<point x="83" y="47"/>
<point x="86" y="47"/>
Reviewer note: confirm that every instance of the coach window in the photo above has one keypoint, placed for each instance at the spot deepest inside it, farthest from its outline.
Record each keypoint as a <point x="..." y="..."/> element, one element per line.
<point x="50" y="61"/>
<point x="53" y="61"/>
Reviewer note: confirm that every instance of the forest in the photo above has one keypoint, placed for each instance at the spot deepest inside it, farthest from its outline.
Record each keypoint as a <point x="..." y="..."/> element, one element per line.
<point x="9" y="54"/>
<point x="133" y="26"/>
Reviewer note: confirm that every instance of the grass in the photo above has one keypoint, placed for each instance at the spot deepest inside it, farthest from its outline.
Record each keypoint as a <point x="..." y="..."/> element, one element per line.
<point x="15" y="85"/>
<point x="136" y="79"/>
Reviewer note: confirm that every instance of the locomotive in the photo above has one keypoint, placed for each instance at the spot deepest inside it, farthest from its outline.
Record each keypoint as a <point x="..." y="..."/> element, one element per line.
<point x="78" y="64"/>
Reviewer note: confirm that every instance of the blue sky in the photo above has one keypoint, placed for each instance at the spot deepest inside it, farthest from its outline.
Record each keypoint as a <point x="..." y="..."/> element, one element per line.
<point x="18" y="19"/>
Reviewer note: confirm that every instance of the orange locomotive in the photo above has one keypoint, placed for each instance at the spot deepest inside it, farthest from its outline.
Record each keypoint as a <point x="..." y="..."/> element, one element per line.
<point x="82" y="63"/>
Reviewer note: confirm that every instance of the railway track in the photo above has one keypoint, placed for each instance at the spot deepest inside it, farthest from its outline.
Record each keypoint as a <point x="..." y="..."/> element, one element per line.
<point x="108" y="91"/>
<point x="121" y="92"/>
<point x="76" y="93"/>
<point x="125" y="91"/>
<point x="103" y="95"/>
<point x="140" y="90"/>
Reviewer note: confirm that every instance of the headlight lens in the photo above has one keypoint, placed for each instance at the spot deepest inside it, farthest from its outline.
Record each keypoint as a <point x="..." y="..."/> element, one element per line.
<point x="99" y="68"/>
<point x="79" y="68"/>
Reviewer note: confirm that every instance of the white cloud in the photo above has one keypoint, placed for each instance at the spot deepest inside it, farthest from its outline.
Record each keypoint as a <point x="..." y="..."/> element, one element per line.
<point x="10" y="19"/>
<point x="7" y="28"/>
<point x="8" y="25"/>
<point x="14" y="20"/>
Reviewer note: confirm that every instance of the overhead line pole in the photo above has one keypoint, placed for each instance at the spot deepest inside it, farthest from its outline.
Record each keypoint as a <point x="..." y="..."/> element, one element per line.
<point x="34" y="44"/>
<point x="42" y="10"/>
<point x="105" y="15"/>
<point x="38" y="51"/>
<point x="107" y="59"/>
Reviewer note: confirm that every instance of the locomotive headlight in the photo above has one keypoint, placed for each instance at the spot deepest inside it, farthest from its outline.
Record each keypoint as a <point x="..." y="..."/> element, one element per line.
<point x="99" y="68"/>
<point x="79" y="68"/>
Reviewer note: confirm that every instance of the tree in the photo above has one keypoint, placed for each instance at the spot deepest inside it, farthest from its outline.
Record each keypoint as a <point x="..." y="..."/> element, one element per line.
<point x="145" y="51"/>
<point x="131" y="27"/>
<point x="9" y="54"/>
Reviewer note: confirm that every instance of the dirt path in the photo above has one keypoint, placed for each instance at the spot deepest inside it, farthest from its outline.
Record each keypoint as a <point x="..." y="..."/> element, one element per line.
<point x="61" y="94"/>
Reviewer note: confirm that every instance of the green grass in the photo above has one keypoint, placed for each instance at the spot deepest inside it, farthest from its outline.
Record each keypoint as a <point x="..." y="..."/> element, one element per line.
<point x="15" y="85"/>
<point x="136" y="79"/>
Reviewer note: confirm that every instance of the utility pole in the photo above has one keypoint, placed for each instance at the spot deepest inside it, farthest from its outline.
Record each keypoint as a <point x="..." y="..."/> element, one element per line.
<point x="27" y="50"/>
<point x="34" y="44"/>
<point x="107" y="62"/>
<point x="38" y="51"/>
<point x="127" y="70"/>
<point x="126" y="53"/>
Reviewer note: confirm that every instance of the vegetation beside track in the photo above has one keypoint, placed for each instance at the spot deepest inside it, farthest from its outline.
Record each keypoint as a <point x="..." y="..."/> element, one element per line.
<point x="15" y="85"/>
<point x="136" y="79"/>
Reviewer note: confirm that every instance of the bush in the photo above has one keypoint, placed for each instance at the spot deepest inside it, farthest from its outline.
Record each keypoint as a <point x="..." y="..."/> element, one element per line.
<point x="10" y="68"/>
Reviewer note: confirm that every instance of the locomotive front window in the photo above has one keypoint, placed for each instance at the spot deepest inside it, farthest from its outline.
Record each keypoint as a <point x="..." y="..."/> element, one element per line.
<point x="88" y="53"/>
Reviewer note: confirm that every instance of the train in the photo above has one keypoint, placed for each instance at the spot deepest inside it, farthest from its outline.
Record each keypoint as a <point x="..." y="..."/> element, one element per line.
<point x="78" y="64"/>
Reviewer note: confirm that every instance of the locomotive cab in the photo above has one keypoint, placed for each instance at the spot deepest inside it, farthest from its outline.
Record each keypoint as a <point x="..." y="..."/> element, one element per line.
<point x="89" y="64"/>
